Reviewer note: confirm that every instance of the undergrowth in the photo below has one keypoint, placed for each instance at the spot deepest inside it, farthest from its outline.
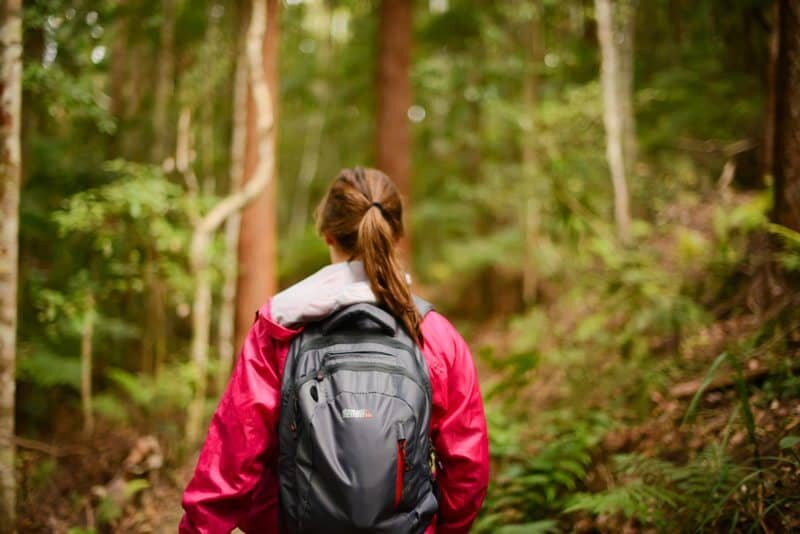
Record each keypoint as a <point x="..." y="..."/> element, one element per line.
<point x="601" y="359"/>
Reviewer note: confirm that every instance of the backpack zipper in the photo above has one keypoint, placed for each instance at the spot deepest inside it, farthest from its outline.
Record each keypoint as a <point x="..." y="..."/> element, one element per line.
<point x="337" y="355"/>
<point x="401" y="467"/>
<point x="330" y="368"/>
<point x="337" y="339"/>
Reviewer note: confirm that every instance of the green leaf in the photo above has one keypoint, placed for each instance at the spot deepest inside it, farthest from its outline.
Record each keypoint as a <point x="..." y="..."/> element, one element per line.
<point x="692" y="410"/>
<point x="47" y="369"/>
<point x="789" y="442"/>
<point x="135" y="485"/>
<point x="545" y="526"/>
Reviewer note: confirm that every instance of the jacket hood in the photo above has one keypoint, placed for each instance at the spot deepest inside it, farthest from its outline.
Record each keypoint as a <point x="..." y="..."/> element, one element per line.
<point x="329" y="289"/>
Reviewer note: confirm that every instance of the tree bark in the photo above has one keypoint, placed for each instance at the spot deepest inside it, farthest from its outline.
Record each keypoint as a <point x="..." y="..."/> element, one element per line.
<point x="87" y="336"/>
<point x="308" y="168"/>
<point x="786" y="156"/>
<point x="118" y="67"/>
<point x="615" y="34"/>
<point x="768" y="148"/>
<point x="10" y="176"/>
<point x="263" y="174"/>
<point x="227" y="314"/>
<point x="315" y="123"/>
<point x="165" y="82"/>
<point x="257" y="232"/>
<point x="392" y="135"/>
<point x="533" y="43"/>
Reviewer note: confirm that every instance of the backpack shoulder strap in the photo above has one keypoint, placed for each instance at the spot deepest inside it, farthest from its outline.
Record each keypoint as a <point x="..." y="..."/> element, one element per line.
<point x="423" y="306"/>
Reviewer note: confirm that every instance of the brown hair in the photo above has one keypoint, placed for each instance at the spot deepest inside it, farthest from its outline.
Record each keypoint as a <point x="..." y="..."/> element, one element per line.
<point x="363" y="213"/>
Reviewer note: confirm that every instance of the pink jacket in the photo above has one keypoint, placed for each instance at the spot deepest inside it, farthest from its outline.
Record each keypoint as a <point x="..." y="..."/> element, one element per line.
<point x="235" y="481"/>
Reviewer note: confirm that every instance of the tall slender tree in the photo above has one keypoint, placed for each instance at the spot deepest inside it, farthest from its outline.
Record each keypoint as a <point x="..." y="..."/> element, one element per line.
<point x="786" y="137"/>
<point x="615" y="19"/>
<point x="258" y="232"/>
<point x="260" y="180"/>
<point x="532" y="41"/>
<point x="87" y="337"/>
<point x="392" y="136"/>
<point x="227" y="314"/>
<point x="165" y="82"/>
<point x="10" y="174"/>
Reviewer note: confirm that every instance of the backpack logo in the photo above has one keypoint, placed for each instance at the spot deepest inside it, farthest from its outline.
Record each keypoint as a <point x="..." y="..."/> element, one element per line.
<point x="354" y="413"/>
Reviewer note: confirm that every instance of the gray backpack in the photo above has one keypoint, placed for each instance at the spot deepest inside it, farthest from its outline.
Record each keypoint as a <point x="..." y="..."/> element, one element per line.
<point x="354" y="427"/>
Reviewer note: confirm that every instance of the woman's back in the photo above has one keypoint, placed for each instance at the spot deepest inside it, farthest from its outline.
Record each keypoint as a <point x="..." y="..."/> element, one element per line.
<point x="236" y="479"/>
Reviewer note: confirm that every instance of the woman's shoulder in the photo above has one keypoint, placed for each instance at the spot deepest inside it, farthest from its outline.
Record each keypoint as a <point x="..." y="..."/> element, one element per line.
<point x="441" y="340"/>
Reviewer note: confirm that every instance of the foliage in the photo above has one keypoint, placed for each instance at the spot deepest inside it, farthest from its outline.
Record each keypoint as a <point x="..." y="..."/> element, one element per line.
<point x="511" y="224"/>
<point x="666" y="495"/>
<point x="529" y="487"/>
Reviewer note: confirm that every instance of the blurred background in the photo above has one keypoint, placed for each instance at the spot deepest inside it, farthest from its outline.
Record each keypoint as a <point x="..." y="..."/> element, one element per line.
<point x="603" y="195"/>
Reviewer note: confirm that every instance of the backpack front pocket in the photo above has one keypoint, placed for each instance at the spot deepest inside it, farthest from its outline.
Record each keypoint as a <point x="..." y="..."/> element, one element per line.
<point x="358" y="461"/>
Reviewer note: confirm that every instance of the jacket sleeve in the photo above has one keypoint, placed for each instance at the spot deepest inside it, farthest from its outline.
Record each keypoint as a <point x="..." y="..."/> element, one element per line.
<point x="461" y="439"/>
<point x="241" y="439"/>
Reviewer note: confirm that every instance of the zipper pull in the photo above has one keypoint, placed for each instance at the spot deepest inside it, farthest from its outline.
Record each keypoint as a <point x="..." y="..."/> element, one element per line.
<point x="401" y="431"/>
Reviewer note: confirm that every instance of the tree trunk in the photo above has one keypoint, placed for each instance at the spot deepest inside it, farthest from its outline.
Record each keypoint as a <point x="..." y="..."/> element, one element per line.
<point x="315" y="123"/>
<point x="263" y="174"/>
<point x="165" y="82"/>
<point x="227" y="314"/>
<point x="87" y="336"/>
<point x="257" y="232"/>
<point x="533" y="43"/>
<point x="308" y="169"/>
<point x="768" y="149"/>
<point x="392" y="136"/>
<point x="118" y="67"/>
<point x="10" y="174"/>
<point x="786" y="157"/>
<point x="615" y="33"/>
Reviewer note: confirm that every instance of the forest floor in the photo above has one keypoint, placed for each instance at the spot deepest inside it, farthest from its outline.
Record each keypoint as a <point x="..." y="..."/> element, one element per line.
<point x="81" y="492"/>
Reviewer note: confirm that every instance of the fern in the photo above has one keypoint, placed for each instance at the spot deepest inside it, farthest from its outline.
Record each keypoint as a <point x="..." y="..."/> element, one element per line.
<point x="635" y="499"/>
<point x="529" y="488"/>
<point x="545" y="526"/>
<point x="663" y="494"/>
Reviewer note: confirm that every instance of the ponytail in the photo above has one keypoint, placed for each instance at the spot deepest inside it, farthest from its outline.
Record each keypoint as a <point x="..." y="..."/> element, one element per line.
<point x="376" y="246"/>
<point x="363" y="212"/>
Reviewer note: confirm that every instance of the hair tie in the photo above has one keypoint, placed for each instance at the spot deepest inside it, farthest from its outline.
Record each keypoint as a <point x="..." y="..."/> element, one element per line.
<point x="380" y="207"/>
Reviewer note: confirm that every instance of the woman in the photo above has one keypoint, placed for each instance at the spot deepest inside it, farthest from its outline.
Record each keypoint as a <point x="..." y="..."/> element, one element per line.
<point x="235" y="482"/>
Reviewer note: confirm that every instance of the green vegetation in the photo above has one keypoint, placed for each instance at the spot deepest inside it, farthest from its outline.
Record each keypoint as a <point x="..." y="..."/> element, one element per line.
<point x="649" y="385"/>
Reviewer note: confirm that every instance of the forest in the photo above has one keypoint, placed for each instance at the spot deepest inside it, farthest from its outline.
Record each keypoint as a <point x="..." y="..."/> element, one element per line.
<point x="602" y="195"/>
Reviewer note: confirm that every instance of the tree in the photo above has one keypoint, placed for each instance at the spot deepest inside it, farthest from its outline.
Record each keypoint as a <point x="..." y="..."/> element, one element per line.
<point x="786" y="155"/>
<point x="87" y="335"/>
<point x="532" y="41"/>
<point x="615" y="33"/>
<point x="392" y="136"/>
<point x="262" y="176"/>
<point x="258" y="230"/>
<point x="227" y="313"/>
<point x="10" y="174"/>
<point x="165" y="82"/>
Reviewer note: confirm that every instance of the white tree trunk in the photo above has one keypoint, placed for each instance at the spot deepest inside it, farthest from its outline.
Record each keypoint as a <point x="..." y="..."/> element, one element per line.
<point x="201" y="313"/>
<point x="614" y="30"/>
<point x="10" y="101"/>
<point x="227" y="314"/>
<point x="87" y="336"/>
